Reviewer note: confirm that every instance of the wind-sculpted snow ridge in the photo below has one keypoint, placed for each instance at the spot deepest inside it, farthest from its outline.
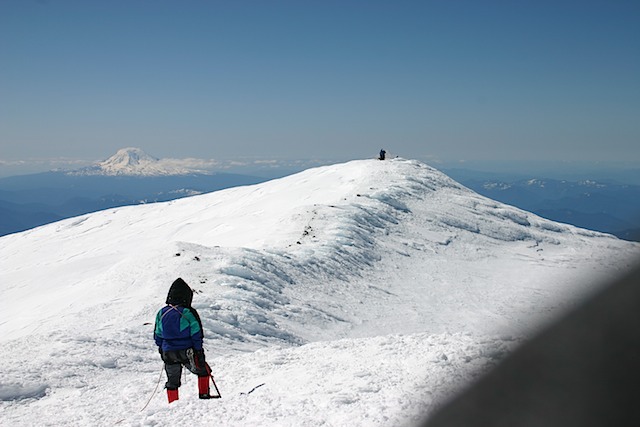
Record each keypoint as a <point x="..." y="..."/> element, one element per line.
<point x="270" y="256"/>
<point x="255" y="296"/>
<point x="360" y="293"/>
<point x="337" y="242"/>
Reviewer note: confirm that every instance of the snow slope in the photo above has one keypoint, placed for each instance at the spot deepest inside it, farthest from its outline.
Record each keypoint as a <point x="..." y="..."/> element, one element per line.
<point x="361" y="293"/>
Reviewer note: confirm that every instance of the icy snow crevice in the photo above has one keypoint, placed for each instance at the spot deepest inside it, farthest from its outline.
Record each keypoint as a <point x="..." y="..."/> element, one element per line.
<point x="20" y="391"/>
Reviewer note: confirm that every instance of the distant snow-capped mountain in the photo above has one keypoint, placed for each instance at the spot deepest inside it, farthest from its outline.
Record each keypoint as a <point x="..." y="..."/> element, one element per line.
<point x="135" y="162"/>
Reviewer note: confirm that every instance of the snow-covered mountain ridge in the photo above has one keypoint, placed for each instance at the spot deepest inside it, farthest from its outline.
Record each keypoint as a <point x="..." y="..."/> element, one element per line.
<point x="341" y="258"/>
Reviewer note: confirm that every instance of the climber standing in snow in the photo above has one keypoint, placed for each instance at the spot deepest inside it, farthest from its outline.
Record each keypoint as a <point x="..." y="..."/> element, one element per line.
<point x="178" y="334"/>
<point x="383" y="154"/>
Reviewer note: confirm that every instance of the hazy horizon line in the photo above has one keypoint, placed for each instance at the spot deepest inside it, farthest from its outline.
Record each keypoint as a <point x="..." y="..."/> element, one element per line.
<point x="35" y="165"/>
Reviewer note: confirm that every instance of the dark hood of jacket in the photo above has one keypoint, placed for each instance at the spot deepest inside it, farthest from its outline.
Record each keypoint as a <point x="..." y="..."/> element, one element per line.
<point x="180" y="293"/>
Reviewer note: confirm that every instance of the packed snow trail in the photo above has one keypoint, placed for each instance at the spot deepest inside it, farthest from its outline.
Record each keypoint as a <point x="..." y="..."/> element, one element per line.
<point x="301" y="284"/>
<point x="385" y="380"/>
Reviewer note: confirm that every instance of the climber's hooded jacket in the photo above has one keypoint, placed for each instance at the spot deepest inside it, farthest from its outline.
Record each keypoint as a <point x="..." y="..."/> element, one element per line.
<point x="178" y="325"/>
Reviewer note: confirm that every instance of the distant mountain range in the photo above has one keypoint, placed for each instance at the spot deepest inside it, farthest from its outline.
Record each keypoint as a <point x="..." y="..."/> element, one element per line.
<point x="131" y="177"/>
<point x="596" y="205"/>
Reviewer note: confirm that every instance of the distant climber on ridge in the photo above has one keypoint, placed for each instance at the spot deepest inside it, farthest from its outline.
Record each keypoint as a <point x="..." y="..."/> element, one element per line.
<point x="382" y="154"/>
<point x="178" y="334"/>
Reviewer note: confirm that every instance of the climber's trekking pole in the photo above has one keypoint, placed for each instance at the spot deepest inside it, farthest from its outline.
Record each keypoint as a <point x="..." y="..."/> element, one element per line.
<point x="214" y="383"/>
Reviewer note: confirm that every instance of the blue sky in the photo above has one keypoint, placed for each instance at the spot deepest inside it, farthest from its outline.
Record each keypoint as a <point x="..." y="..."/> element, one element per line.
<point x="433" y="80"/>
